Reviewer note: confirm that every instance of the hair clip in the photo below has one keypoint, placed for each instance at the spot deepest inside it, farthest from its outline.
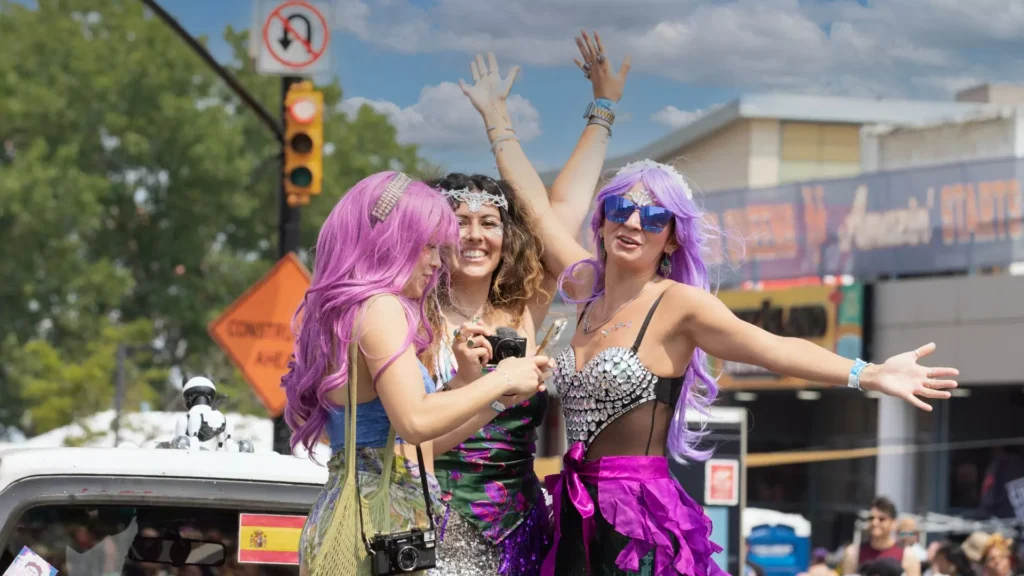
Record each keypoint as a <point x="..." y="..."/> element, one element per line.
<point x="474" y="200"/>
<point x="394" y="190"/>
<point x="639" y="165"/>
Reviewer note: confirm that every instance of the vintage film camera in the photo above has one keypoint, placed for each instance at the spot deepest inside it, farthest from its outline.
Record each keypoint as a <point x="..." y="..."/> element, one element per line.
<point x="403" y="552"/>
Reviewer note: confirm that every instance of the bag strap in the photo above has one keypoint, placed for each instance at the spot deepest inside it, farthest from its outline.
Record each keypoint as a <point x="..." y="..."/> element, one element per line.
<point x="350" y="410"/>
<point x="389" y="454"/>
<point x="350" y="433"/>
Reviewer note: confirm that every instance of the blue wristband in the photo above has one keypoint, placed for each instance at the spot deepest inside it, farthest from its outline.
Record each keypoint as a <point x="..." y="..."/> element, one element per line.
<point x="605" y="103"/>
<point x="854" y="379"/>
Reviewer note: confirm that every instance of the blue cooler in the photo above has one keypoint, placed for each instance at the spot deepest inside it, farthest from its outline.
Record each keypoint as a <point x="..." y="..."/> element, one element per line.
<point x="777" y="542"/>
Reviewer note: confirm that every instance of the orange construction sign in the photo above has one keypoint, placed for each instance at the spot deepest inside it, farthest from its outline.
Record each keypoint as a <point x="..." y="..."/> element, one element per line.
<point x="256" y="330"/>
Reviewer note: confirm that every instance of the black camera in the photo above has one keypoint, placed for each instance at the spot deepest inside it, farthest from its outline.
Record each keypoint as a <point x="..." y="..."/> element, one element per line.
<point x="403" y="552"/>
<point x="506" y="343"/>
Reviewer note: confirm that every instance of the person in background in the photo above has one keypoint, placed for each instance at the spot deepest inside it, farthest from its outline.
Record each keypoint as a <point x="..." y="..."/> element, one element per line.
<point x="909" y="538"/>
<point x="882" y="566"/>
<point x="819" y="564"/>
<point x="1006" y="466"/>
<point x="974" y="547"/>
<point x="997" y="560"/>
<point x="881" y="542"/>
<point x="928" y="566"/>
<point x="950" y="560"/>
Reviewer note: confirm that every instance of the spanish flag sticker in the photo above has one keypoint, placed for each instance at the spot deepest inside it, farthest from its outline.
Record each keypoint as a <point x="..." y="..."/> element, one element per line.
<point x="269" y="538"/>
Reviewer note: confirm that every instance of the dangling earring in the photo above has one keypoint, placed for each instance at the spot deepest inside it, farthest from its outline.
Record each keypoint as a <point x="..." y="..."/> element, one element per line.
<point x="666" y="265"/>
<point x="600" y="249"/>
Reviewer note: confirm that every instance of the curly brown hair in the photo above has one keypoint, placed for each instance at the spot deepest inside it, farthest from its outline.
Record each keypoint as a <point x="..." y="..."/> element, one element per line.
<point x="520" y="274"/>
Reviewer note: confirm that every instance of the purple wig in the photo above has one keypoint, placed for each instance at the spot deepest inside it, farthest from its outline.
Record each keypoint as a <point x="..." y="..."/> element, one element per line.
<point x="356" y="260"/>
<point x="688" y="267"/>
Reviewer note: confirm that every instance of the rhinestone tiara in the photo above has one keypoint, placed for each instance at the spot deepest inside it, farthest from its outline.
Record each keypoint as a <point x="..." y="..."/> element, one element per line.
<point x="646" y="164"/>
<point x="475" y="199"/>
<point x="394" y="190"/>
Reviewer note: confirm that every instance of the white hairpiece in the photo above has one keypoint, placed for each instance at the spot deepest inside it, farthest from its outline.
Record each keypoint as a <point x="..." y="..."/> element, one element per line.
<point x="639" y="165"/>
<point x="475" y="199"/>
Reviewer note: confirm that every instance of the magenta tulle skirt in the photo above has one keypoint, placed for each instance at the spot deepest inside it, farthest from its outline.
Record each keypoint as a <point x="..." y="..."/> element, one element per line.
<point x="626" y="515"/>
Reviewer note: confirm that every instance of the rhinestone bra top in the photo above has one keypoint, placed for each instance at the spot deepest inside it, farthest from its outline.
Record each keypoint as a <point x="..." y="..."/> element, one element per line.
<point x="611" y="384"/>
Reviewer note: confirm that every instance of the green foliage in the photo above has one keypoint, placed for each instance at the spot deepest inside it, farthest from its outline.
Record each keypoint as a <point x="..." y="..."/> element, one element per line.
<point x="138" y="198"/>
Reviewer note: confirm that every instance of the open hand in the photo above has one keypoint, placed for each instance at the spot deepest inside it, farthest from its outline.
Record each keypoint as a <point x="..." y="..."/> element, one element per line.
<point x="596" y="67"/>
<point x="902" y="377"/>
<point x="489" y="90"/>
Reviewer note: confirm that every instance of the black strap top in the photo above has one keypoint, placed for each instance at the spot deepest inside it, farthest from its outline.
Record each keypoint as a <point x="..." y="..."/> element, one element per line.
<point x="611" y="384"/>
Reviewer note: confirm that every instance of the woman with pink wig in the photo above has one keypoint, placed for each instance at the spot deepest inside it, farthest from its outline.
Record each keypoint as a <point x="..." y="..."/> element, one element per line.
<point x="378" y="253"/>
<point x="629" y="375"/>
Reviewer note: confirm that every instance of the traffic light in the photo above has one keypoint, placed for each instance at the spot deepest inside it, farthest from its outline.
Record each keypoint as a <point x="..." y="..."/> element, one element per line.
<point x="303" y="143"/>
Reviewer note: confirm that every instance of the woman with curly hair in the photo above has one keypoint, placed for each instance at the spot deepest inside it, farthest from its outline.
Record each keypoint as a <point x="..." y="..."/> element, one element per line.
<point x="998" y="560"/>
<point x="497" y="521"/>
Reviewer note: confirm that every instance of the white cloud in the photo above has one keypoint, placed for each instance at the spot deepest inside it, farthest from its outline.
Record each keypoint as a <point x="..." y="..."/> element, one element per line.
<point x="883" y="48"/>
<point x="443" y="117"/>
<point x="675" y="118"/>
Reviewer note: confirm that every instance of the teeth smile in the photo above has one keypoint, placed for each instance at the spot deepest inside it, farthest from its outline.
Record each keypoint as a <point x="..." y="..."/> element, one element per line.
<point x="473" y="253"/>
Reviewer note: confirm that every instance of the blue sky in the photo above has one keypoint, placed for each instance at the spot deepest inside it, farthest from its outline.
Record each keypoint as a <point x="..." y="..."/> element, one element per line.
<point x="688" y="55"/>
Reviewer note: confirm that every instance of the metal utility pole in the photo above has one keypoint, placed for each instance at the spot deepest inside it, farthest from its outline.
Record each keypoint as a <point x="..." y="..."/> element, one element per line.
<point x="287" y="241"/>
<point x="310" y="164"/>
<point x="228" y="78"/>
<point x="122" y="353"/>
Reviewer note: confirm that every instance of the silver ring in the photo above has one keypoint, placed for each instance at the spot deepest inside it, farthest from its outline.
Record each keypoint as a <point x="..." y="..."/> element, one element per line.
<point x="600" y="57"/>
<point x="586" y="66"/>
<point x="586" y="75"/>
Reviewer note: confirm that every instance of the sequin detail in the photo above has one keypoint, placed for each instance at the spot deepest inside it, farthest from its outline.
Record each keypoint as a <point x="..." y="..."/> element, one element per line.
<point x="611" y="384"/>
<point x="465" y="552"/>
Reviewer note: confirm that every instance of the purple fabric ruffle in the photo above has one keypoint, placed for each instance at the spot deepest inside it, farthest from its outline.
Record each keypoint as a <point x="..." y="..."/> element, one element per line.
<point x="641" y="499"/>
<point x="523" y="550"/>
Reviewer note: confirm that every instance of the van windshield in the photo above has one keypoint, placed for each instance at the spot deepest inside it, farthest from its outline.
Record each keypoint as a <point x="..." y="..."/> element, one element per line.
<point x="152" y="541"/>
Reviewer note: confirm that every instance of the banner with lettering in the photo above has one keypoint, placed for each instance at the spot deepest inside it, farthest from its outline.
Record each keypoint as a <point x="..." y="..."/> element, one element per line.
<point x="830" y="316"/>
<point x="926" y="220"/>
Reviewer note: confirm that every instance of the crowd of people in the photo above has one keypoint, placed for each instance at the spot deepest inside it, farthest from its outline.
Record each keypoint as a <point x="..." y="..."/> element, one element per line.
<point x="417" y="360"/>
<point x="893" y="548"/>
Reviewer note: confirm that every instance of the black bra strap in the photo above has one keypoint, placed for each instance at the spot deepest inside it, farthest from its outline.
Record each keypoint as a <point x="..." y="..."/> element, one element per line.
<point x="647" y="320"/>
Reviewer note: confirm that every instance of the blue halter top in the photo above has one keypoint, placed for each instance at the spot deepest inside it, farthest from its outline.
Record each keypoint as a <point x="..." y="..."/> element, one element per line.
<point x="372" y="423"/>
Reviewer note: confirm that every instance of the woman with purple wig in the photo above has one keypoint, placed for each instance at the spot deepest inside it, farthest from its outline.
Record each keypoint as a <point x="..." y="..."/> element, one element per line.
<point x="629" y="375"/>
<point x="378" y="253"/>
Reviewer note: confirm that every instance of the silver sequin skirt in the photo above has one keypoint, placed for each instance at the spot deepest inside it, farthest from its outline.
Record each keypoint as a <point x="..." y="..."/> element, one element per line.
<point x="464" y="551"/>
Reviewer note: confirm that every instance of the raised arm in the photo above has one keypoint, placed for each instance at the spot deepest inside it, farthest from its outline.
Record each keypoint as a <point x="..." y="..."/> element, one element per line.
<point x="488" y="94"/>
<point x="710" y="325"/>
<point x="573" y="190"/>
<point x="420" y="417"/>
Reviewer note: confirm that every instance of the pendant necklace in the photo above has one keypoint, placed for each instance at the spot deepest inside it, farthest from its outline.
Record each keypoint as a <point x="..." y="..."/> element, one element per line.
<point x="587" y="328"/>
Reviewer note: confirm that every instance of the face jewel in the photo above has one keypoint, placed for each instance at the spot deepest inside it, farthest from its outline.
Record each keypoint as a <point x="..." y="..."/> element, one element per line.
<point x="640" y="195"/>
